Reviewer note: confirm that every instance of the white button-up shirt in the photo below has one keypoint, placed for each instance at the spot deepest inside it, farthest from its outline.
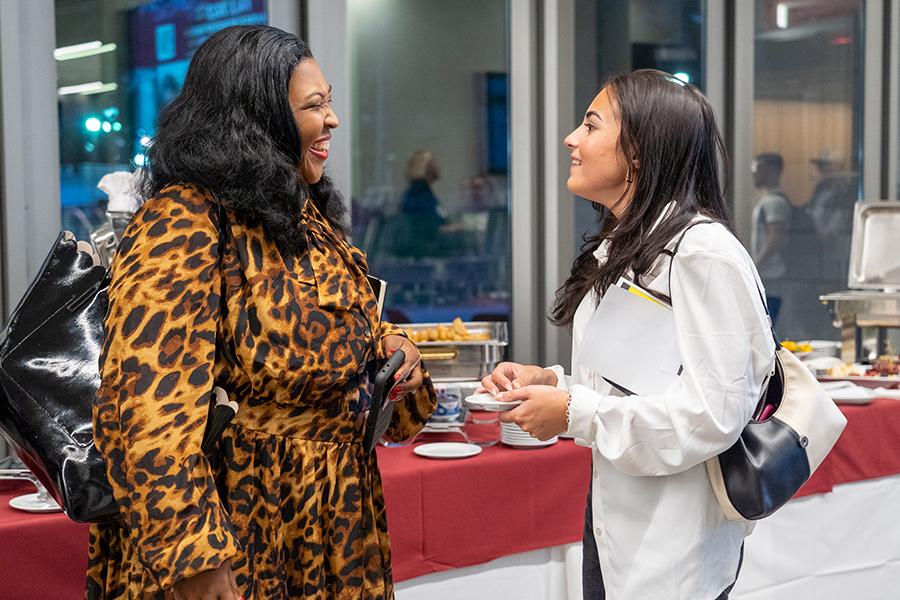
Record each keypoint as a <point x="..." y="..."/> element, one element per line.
<point x="658" y="527"/>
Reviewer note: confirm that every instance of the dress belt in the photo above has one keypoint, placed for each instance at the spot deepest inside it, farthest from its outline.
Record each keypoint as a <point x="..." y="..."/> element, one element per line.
<point x="303" y="422"/>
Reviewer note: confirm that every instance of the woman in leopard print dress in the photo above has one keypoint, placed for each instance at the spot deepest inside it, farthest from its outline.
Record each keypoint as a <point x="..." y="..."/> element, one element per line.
<point x="236" y="272"/>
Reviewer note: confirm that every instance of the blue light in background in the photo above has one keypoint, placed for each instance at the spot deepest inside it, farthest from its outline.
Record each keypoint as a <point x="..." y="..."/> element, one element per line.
<point x="92" y="124"/>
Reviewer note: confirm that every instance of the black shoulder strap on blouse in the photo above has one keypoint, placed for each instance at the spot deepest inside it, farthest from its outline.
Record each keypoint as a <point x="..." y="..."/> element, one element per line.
<point x="671" y="253"/>
<point x="222" y="226"/>
<point x="220" y="415"/>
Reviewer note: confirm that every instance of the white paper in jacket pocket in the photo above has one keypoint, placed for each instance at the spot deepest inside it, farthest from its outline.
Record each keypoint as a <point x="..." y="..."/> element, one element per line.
<point x="630" y="341"/>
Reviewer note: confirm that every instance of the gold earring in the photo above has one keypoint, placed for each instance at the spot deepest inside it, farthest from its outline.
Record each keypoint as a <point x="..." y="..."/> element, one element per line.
<point x="629" y="178"/>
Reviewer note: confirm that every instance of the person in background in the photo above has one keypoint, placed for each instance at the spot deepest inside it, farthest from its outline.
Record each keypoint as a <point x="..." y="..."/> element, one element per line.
<point x="420" y="212"/>
<point x="771" y="221"/>
<point x="235" y="273"/>
<point x="831" y="206"/>
<point x="480" y="191"/>
<point x="648" y="151"/>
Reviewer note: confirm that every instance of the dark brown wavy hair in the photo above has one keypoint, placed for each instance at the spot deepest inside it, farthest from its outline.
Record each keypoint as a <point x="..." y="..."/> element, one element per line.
<point x="669" y="127"/>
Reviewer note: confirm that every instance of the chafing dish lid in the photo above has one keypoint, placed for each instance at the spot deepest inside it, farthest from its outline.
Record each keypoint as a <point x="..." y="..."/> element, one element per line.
<point x="875" y="249"/>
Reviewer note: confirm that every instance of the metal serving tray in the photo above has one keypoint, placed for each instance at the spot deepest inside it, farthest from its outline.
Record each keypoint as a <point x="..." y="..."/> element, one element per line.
<point x="875" y="249"/>
<point x="855" y="309"/>
<point x="470" y="360"/>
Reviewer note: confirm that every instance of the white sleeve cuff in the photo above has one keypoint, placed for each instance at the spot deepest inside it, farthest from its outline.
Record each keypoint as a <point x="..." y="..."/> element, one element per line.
<point x="582" y="410"/>
<point x="561" y="382"/>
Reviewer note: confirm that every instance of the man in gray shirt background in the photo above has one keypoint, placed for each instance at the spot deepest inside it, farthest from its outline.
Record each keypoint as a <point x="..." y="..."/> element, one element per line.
<point x="771" y="220"/>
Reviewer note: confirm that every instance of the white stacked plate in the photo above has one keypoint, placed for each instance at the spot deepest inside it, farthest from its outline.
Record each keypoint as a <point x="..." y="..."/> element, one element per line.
<point x="820" y="349"/>
<point x="512" y="435"/>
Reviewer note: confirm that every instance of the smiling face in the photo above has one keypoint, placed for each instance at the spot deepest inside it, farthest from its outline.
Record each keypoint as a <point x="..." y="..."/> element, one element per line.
<point x="309" y="95"/>
<point x="599" y="169"/>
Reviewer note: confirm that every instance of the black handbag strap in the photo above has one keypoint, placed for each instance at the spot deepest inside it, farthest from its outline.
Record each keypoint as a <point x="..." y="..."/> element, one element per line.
<point x="671" y="254"/>
<point x="762" y="298"/>
<point x="219" y="416"/>
<point x="223" y="298"/>
<point x="674" y="251"/>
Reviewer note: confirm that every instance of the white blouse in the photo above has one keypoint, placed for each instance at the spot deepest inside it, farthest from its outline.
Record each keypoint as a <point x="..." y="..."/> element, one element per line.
<point x="659" y="530"/>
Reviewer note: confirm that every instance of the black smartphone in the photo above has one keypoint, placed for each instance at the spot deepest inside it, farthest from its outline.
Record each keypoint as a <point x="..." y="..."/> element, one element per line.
<point x="381" y="409"/>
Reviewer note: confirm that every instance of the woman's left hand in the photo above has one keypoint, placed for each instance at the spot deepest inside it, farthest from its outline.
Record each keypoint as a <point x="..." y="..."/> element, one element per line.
<point x="409" y="378"/>
<point x="543" y="412"/>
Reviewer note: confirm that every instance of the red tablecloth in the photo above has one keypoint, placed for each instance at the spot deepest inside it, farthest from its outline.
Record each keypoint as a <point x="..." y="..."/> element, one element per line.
<point x="42" y="557"/>
<point x="444" y="514"/>
<point x="868" y="448"/>
<point x="448" y="514"/>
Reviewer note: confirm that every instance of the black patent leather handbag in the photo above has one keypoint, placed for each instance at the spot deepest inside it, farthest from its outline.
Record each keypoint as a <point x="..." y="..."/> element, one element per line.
<point x="49" y="376"/>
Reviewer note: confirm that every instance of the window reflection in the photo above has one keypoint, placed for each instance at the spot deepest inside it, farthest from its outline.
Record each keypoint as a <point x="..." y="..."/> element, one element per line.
<point x="807" y="132"/>
<point x="431" y="154"/>
<point x="118" y="64"/>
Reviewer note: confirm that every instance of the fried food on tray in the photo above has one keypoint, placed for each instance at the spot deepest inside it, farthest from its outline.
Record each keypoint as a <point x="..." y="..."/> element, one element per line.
<point x="455" y="332"/>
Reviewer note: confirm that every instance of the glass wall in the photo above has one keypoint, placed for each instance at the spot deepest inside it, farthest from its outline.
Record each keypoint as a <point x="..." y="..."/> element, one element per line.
<point x="614" y="36"/>
<point x="430" y="202"/>
<point x="118" y="63"/>
<point x="807" y="134"/>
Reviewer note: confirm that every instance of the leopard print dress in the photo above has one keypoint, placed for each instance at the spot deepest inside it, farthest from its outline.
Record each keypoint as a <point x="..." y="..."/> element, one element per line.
<point x="290" y="497"/>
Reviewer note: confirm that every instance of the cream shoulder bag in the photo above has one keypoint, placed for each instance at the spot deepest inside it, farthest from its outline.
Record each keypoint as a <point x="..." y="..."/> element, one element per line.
<point x="793" y="429"/>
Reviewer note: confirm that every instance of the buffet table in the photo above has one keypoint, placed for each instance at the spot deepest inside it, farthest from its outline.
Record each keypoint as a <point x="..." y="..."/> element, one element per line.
<point x="508" y="522"/>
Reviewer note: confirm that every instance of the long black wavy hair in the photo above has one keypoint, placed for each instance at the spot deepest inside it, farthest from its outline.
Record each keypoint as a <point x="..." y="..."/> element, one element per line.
<point x="669" y="127"/>
<point x="231" y="131"/>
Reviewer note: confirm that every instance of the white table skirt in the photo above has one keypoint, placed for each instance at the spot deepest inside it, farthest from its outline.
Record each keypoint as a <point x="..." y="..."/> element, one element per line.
<point x="841" y="545"/>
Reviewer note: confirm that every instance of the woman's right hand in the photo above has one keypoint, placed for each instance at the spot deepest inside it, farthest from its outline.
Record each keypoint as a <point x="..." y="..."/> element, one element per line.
<point x="510" y="376"/>
<point x="217" y="584"/>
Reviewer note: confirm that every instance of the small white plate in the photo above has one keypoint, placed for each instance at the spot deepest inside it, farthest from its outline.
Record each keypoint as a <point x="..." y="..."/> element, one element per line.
<point x="886" y="393"/>
<point x="33" y="503"/>
<point x="447" y="450"/>
<point x="847" y="392"/>
<point x="488" y="402"/>
<point x="532" y="444"/>
<point x="443" y="425"/>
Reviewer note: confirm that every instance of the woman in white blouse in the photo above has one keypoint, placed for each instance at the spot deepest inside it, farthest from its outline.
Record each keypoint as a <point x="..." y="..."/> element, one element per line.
<point x="647" y="155"/>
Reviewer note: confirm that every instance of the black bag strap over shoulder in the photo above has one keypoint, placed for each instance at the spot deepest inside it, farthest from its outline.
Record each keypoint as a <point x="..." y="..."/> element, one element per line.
<point x="671" y="254"/>
<point x="224" y="232"/>
<point x="221" y="410"/>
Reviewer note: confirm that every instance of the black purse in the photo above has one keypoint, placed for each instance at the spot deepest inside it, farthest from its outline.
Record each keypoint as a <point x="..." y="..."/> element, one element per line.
<point x="792" y="430"/>
<point x="49" y="376"/>
<point x="794" y="427"/>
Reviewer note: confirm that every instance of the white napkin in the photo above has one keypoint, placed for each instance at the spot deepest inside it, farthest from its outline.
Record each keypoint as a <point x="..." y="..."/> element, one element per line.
<point x="886" y="393"/>
<point x="848" y="392"/>
<point x="120" y="186"/>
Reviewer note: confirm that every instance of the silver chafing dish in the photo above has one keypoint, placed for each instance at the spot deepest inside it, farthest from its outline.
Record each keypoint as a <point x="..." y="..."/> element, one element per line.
<point x="456" y="368"/>
<point x="873" y="300"/>
<point x="460" y="361"/>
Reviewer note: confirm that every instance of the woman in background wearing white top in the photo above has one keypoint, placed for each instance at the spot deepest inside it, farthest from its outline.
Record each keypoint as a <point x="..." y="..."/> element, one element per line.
<point x="647" y="154"/>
